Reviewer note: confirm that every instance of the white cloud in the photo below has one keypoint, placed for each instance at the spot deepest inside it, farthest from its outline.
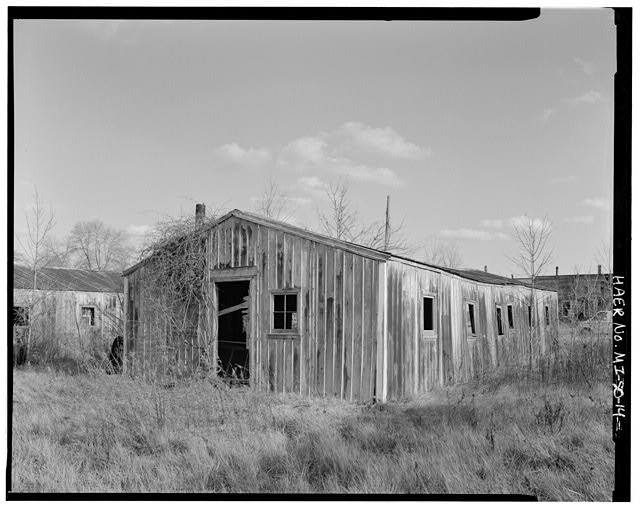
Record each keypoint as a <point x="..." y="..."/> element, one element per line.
<point x="590" y="97"/>
<point x="598" y="203"/>
<point x="477" y="234"/>
<point x="236" y="154"/>
<point x="384" y="141"/>
<point x="585" y="66"/>
<point x="492" y="223"/>
<point x="547" y="113"/>
<point x="524" y="219"/>
<point x="363" y="172"/>
<point x="583" y="219"/>
<point x="312" y="184"/>
<point x="303" y="153"/>
<point x="322" y="154"/>
<point x="563" y="179"/>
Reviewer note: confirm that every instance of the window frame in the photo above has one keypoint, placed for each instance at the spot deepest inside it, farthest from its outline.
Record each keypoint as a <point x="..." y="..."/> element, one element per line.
<point x="474" y="324"/>
<point x="430" y="333"/>
<point x="92" y="321"/>
<point x="283" y="333"/>
<point x="511" y="324"/>
<point x="499" y="321"/>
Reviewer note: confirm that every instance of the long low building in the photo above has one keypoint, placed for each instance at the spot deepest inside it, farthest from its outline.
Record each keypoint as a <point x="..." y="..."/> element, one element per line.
<point x="289" y="310"/>
<point x="73" y="310"/>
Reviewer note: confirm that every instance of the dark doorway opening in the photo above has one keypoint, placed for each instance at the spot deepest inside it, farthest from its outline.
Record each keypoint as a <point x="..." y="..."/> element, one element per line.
<point x="233" y="326"/>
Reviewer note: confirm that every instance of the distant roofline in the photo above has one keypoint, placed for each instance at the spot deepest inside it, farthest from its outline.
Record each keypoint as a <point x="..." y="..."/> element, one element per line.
<point x="65" y="286"/>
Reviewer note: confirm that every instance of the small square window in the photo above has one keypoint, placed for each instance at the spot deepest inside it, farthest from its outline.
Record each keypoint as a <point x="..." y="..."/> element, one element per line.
<point x="88" y="313"/>
<point x="499" y="320"/>
<point x="510" y="315"/>
<point x="471" y="319"/>
<point x="428" y="314"/>
<point x="20" y="316"/>
<point x="285" y="311"/>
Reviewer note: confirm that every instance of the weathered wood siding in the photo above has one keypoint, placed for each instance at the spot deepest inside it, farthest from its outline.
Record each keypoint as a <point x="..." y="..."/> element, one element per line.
<point x="419" y="360"/>
<point x="360" y="318"/>
<point x="56" y="317"/>
<point x="333" y="352"/>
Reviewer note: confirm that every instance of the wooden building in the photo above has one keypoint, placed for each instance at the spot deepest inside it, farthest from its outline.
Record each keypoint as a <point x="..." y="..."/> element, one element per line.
<point x="580" y="295"/>
<point x="74" y="309"/>
<point x="296" y="311"/>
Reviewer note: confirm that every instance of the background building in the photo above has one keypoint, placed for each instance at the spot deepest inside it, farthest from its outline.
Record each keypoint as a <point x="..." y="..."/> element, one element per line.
<point x="72" y="310"/>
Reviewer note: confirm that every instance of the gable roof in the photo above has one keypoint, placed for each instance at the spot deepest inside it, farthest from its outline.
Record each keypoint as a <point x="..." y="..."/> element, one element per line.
<point x="372" y="253"/>
<point x="364" y="251"/>
<point x="65" y="279"/>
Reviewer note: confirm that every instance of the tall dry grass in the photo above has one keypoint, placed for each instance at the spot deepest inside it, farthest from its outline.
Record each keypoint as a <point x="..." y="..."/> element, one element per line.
<point x="544" y="432"/>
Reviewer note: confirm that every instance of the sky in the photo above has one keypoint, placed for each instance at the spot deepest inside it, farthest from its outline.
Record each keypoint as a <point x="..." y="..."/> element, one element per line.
<point x="466" y="125"/>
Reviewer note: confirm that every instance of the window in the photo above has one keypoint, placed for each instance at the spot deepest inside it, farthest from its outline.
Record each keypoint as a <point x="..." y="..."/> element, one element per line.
<point x="499" y="320"/>
<point x="510" y="315"/>
<point x="471" y="319"/>
<point x="529" y="308"/>
<point x="88" y="314"/>
<point x="566" y="308"/>
<point x="546" y="315"/>
<point x="428" y="314"/>
<point x="20" y="316"/>
<point x="285" y="311"/>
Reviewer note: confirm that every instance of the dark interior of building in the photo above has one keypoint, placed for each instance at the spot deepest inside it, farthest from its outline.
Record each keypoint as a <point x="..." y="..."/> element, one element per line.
<point x="233" y="316"/>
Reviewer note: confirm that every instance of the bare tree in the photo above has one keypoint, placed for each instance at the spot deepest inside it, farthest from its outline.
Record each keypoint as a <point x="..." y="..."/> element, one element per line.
<point x="442" y="253"/>
<point x="57" y="252"/>
<point x="99" y="247"/>
<point x="273" y="203"/>
<point x="40" y="223"/>
<point x="532" y="236"/>
<point x="342" y="222"/>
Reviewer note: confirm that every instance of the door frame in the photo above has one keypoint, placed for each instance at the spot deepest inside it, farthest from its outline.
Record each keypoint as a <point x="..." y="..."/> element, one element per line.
<point x="248" y="274"/>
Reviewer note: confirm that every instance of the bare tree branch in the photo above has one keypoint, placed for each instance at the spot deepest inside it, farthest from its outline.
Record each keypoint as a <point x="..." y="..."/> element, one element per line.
<point x="273" y="203"/>
<point x="342" y="222"/>
<point x="98" y="247"/>
<point x="442" y="253"/>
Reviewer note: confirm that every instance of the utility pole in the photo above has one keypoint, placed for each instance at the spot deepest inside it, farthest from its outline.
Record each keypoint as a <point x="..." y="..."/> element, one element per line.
<point x="386" y="227"/>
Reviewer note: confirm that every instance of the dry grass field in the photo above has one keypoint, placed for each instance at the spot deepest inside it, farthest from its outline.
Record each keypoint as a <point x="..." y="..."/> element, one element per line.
<point x="545" y="433"/>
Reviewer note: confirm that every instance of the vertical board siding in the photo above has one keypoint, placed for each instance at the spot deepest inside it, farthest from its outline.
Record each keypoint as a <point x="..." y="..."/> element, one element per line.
<point x="347" y="365"/>
<point x="321" y="324"/>
<point x="367" y="326"/>
<point x="356" y="349"/>
<point x="338" y="361"/>
<point x="417" y="363"/>
<point x="329" y="353"/>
